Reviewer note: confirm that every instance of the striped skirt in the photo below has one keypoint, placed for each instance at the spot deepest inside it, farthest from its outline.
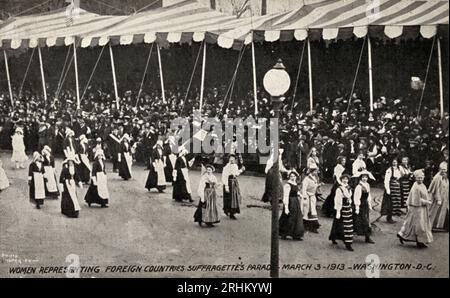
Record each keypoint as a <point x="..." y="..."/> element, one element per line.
<point x="396" y="197"/>
<point x="405" y="187"/>
<point x="342" y="228"/>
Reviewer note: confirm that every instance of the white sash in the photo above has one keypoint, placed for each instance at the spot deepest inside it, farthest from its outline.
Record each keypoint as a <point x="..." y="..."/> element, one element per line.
<point x="85" y="160"/>
<point x="39" y="188"/>
<point x="102" y="187"/>
<point x="185" y="173"/>
<point x="128" y="160"/>
<point x="51" y="180"/>
<point x="172" y="159"/>
<point x="71" y="187"/>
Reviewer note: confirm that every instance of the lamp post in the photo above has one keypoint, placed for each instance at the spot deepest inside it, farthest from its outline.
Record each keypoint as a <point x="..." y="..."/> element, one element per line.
<point x="276" y="82"/>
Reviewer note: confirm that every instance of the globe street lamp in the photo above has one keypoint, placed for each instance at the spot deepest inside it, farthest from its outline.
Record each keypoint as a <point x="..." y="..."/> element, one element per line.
<point x="276" y="82"/>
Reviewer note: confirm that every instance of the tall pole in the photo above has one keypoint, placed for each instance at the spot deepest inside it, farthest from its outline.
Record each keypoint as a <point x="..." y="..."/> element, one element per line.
<point x="8" y="78"/>
<point x="274" y="243"/>
<point x="76" y="72"/>
<point x="161" y="75"/>
<point x="255" y="90"/>
<point x="441" y="85"/>
<point x="311" y="100"/>
<point x="369" y="54"/>
<point x="44" y="88"/>
<point x="116" y="93"/>
<point x="202" y="84"/>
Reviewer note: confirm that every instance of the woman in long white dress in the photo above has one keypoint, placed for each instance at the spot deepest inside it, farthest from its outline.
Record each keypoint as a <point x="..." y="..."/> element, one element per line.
<point x="439" y="196"/>
<point x="207" y="191"/>
<point x="19" y="157"/>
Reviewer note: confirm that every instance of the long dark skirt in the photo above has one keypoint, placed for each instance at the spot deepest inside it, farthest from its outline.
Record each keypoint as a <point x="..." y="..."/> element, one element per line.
<point x="361" y="221"/>
<point x="232" y="199"/>
<point x="328" y="205"/>
<point x="390" y="205"/>
<point x="124" y="171"/>
<point x="269" y="189"/>
<point x="168" y="171"/>
<point x="405" y="187"/>
<point x="342" y="228"/>
<point x="92" y="196"/>
<point x="152" y="180"/>
<point x="292" y="224"/>
<point x="67" y="207"/>
<point x="180" y="191"/>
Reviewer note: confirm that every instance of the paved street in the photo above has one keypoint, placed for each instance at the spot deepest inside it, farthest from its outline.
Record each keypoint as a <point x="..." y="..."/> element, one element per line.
<point x="149" y="229"/>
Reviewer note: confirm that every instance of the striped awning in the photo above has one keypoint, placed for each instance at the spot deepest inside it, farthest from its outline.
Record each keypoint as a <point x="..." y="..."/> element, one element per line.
<point x="189" y="21"/>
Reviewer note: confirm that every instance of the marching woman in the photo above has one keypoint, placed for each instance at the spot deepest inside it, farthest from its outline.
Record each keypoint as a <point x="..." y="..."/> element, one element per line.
<point x="439" y="196"/>
<point x="157" y="177"/>
<point x="313" y="160"/>
<point x="36" y="180"/>
<point x="391" y="203"/>
<point x="309" y="191"/>
<point x="125" y="159"/>
<point x="51" y="184"/>
<point x="342" y="228"/>
<point x="69" y="142"/>
<point x="406" y="180"/>
<point x="272" y="177"/>
<point x="84" y="167"/>
<point x="182" y="183"/>
<point x="358" y="165"/>
<point x="291" y="219"/>
<point x="97" y="192"/>
<point x="207" y="207"/>
<point x="68" y="184"/>
<point x="4" y="182"/>
<point x="19" y="157"/>
<point x="339" y="169"/>
<point x="362" y="205"/>
<point x="169" y="162"/>
<point x="231" y="191"/>
<point x="417" y="225"/>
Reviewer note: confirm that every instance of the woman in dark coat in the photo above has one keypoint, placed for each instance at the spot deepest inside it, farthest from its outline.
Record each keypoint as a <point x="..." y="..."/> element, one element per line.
<point x="342" y="228"/>
<point x="84" y="167"/>
<point x="362" y="205"/>
<point x="124" y="158"/>
<point x="291" y="220"/>
<point x="36" y="180"/>
<point x="69" y="200"/>
<point x="98" y="190"/>
<point x="182" y="184"/>
<point x="169" y="162"/>
<point x="156" y="177"/>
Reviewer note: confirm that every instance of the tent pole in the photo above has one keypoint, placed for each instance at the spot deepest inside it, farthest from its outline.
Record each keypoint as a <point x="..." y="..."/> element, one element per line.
<point x="114" y="75"/>
<point x="161" y="75"/>
<point x="311" y="101"/>
<point x="9" y="79"/>
<point x="255" y="89"/>
<point x="76" y="72"/>
<point x="44" y="88"/>
<point x="369" y="54"/>
<point x="202" y="87"/>
<point x="441" y="87"/>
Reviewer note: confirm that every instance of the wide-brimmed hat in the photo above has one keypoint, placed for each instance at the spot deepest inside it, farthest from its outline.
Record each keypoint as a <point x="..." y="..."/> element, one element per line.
<point x="362" y="173"/>
<point x="210" y="166"/>
<point x="293" y="171"/>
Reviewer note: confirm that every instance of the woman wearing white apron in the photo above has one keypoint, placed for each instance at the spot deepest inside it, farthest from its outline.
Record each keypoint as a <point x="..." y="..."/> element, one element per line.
<point x="156" y="177"/>
<point x="69" y="200"/>
<point x="182" y="183"/>
<point x="51" y="184"/>
<point x="19" y="157"/>
<point x="98" y="190"/>
<point x="36" y="180"/>
<point x="84" y="167"/>
<point x="124" y="158"/>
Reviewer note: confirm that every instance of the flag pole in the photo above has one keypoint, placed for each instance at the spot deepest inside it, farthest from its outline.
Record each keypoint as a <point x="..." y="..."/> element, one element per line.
<point x="311" y="101"/>
<point x="8" y="77"/>
<point x="161" y="75"/>
<point x="255" y="90"/>
<point x="441" y="85"/>
<point x="202" y="87"/>
<point x="76" y="71"/>
<point x="116" y="94"/>
<point x="369" y="54"/>
<point x="44" y="88"/>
